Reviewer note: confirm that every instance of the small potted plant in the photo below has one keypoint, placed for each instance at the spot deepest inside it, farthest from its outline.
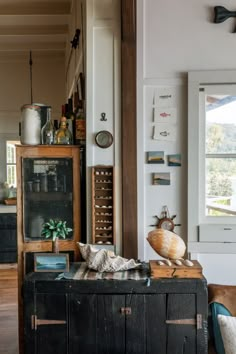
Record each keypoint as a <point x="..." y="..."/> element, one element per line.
<point x="55" y="229"/>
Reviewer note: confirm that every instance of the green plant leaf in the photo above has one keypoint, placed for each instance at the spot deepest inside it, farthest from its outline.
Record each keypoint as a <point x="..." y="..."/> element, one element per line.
<point x="62" y="233"/>
<point x="48" y="234"/>
<point x="55" y="228"/>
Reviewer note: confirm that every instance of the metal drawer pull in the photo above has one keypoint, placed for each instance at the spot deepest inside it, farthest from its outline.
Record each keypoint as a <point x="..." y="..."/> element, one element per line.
<point x="35" y="322"/>
<point x="125" y="310"/>
<point x="191" y="321"/>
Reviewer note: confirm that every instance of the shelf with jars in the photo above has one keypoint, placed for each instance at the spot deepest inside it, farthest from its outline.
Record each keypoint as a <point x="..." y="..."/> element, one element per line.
<point x="48" y="188"/>
<point x="103" y="205"/>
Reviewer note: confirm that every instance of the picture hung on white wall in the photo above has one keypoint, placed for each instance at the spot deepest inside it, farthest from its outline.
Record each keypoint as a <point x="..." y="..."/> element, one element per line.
<point x="164" y="132"/>
<point x="155" y="157"/>
<point x="161" y="178"/>
<point x="165" y="97"/>
<point x="174" y="160"/>
<point x="165" y="115"/>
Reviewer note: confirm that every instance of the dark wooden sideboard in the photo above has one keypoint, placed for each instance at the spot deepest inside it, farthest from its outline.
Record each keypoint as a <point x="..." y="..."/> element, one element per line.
<point x="166" y="316"/>
<point x="8" y="239"/>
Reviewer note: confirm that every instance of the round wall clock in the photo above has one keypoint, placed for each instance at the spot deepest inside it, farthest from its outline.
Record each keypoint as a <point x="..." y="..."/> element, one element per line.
<point x="104" y="139"/>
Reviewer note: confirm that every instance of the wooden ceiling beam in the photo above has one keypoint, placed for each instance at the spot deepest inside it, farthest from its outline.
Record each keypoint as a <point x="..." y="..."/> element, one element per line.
<point x="26" y="47"/>
<point x="35" y="7"/>
<point x="33" y="30"/>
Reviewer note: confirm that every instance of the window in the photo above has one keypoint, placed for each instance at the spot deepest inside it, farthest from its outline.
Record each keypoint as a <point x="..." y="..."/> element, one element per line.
<point x="211" y="159"/>
<point x="11" y="163"/>
<point x="220" y="153"/>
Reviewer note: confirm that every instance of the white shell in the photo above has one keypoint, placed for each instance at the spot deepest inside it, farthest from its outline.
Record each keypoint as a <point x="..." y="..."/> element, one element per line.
<point x="177" y="262"/>
<point x="160" y="263"/>
<point x="166" y="243"/>
<point x="168" y="262"/>
<point x="188" y="263"/>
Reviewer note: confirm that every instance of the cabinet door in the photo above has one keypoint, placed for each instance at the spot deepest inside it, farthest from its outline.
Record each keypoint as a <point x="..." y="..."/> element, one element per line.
<point x="135" y="324"/>
<point x="47" y="194"/>
<point x="181" y="338"/>
<point x="111" y="320"/>
<point x="50" y="324"/>
<point x="155" y="317"/>
<point x="97" y="324"/>
<point x="82" y="324"/>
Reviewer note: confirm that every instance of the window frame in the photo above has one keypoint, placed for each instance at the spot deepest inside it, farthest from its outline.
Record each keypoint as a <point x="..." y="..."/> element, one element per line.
<point x="205" y="233"/>
<point x="12" y="142"/>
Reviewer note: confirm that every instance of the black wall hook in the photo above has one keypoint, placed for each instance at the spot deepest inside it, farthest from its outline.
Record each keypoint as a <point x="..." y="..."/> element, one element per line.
<point x="222" y="14"/>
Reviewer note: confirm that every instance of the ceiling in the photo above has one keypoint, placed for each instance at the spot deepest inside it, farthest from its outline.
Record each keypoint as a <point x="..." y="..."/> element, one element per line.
<point x="33" y="25"/>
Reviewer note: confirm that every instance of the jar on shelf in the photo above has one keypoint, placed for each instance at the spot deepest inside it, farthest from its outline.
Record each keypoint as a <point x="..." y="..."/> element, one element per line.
<point x="30" y="125"/>
<point x="36" y="185"/>
<point x="43" y="182"/>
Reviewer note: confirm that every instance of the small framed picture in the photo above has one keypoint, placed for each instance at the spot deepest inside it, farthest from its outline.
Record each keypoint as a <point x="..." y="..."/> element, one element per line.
<point x="174" y="160"/>
<point x="51" y="262"/>
<point x="161" y="179"/>
<point x="155" y="157"/>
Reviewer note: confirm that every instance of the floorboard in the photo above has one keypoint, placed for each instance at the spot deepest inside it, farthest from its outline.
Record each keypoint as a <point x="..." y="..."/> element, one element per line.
<point x="8" y="309"/>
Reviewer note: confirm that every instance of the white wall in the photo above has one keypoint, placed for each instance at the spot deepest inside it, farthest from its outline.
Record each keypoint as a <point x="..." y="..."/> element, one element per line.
<point x="99" y="57"/>
<point x="48" y="87"/>
<point x="103" y="95"/>
<point x="174" y="38"/>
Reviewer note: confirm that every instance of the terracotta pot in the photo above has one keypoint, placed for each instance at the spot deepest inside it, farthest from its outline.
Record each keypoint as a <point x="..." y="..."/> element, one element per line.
<point x="166" y="243"/>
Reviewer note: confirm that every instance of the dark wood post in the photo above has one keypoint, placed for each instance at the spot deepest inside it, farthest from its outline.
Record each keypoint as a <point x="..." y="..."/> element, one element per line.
<point x="129" y="141"/>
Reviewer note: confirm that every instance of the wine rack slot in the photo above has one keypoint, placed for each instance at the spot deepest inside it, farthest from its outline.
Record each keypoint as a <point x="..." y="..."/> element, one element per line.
<point x="103" y="205"/>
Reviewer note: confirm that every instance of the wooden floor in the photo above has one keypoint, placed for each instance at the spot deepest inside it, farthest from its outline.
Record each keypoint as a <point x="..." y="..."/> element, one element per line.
<point x="8" y="309"/>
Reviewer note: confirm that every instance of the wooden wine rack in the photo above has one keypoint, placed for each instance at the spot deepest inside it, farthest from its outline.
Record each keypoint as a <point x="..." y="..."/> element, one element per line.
<point x="103" y="205"/>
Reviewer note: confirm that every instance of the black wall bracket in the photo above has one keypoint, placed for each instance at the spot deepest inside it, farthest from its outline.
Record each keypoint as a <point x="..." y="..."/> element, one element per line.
<point x="222" y="14"/>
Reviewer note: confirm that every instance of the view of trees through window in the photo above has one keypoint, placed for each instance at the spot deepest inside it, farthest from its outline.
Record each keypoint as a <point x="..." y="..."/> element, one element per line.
<point x="220" y="155"/>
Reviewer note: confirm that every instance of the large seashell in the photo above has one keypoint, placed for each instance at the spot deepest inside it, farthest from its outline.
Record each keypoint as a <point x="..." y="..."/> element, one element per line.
<point x="166" y="243"/>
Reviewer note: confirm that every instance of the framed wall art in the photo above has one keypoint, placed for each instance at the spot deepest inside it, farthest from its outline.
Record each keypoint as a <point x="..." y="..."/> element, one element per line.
<point x="51" y="262"/>
<point x="174" y="160"/>
<point x="155" y="157"/>
<point x="161" y="178"/>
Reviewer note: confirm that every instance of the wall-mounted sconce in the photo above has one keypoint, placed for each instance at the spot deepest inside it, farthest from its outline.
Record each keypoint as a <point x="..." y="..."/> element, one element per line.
<point x="222" y="14"/>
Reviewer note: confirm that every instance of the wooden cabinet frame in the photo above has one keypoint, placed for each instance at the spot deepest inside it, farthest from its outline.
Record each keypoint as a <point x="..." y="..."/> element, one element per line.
<point x="24" y="247"/>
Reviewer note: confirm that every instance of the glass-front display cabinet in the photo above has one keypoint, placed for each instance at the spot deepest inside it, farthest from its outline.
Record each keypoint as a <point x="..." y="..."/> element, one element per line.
<point x="47" y="193"/>
<point x="48" y="187"/>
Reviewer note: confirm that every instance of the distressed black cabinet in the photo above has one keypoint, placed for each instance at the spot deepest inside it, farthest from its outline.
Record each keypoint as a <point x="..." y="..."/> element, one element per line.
<point x="8" y="238"/>
<point x="114" y="316"/>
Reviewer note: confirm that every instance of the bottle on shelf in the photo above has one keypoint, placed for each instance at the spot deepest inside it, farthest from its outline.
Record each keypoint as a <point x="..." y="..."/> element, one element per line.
<point x="48" y="130"/>
<point x="63" y="135"/>
<point x="70" y="118"/>
<point x="80" y="128"/>
<point x="55" y="123"/>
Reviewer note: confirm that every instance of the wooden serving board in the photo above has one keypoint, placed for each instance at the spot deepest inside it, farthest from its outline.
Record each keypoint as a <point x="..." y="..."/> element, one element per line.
<point x="175" y="271"/>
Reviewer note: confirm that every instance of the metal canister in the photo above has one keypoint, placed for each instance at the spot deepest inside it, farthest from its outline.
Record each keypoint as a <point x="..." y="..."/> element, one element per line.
<point x="30" y="125"/>
<point x="44" y="182"/>
<point x="36" y="185"/>
<point x="43" y="112"/>
<point x="54" y="183"/>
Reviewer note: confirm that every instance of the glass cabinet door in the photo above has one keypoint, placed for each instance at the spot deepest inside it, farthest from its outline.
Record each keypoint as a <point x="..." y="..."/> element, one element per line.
<point x="47" y="194"/>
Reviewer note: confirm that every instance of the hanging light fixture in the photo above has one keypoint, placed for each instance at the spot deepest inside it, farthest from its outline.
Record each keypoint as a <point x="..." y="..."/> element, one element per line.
<point x="31" y="77"/>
